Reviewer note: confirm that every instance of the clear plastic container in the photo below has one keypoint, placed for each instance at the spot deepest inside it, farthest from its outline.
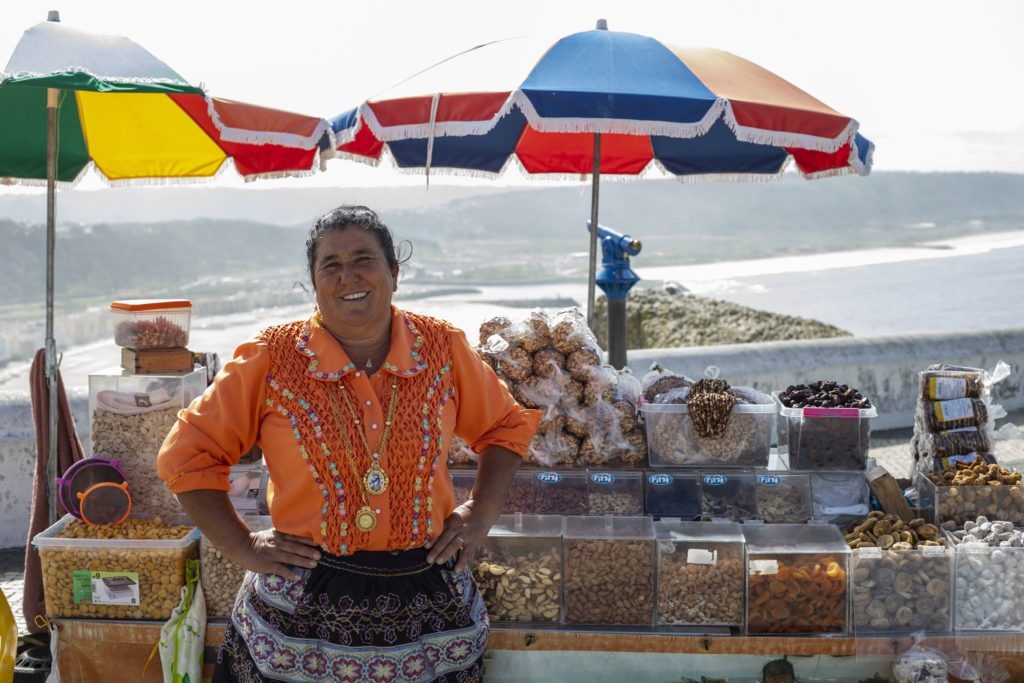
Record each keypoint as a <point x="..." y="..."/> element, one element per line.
<point x="672" y="494"/>
<point x="825" y="438"/>
<point x="672" y="440"/>
<point x="728" y="495"/>
<point x="152" y="323"/>
<point x="700" y="574"/>
<point x="902" y="591"/>
<point x="520" y="491"/>
<point x="989" y="585"/>
<point x="797" y="577"/>
<point x="964" y="503"/>
<point x="783" y="497"/>
<point x="130" y="417"/>
<point x="840" y="497"/>
<point x="113" y="578"/>
<point x="221" y="577"/>
<point x="560" y="492"/>
<point x="609" y="570"/>
<point x="615" y="493"/>
<point x="519" y="569"/>
<point x="247" y="489"/>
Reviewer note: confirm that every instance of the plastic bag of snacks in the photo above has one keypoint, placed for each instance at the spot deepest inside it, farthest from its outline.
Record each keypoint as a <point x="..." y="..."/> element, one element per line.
<point x="921" y="664"/>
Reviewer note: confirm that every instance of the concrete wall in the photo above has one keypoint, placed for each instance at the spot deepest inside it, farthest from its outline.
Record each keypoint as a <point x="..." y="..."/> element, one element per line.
<point x="18" y="458"/>
<point x="883" y="368"/>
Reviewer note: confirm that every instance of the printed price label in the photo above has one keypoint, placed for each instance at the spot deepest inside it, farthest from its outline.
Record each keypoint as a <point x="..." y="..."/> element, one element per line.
<point x="701" y="556"/>
<point x="105" y="588"/>
<point x="763" y="566"/>
<point x="944" y="388"/>
<point x="948" y="411"/>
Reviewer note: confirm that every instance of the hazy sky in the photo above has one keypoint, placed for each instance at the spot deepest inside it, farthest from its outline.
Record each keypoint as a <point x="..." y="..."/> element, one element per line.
<point x="936" y="85"/>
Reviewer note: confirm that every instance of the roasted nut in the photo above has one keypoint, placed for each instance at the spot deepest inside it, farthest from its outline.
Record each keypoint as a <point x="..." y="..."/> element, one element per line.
<point x="499" y="326"/>
<point x="135" y="440"/>
<point x="706" y="594"/>
<point x="161" y="571"/>
<point x="221" y="580"/>
<point x="746" y="441"/>
<point x="520" y="585"/>
<point x="609" y="582"/>
<point x="548" y="363"/>
<point x="156" y="333"/>
<point x="784" y="502"/>
<point x="976" y="489"/>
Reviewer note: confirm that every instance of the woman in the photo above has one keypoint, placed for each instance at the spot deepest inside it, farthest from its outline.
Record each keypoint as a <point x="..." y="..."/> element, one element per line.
<point x="364" y="576"/>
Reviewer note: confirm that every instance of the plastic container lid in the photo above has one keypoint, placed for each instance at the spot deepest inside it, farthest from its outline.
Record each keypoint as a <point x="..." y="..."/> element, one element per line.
<point x="699" y="532"/>
<point x="84" y="475"/>
<point x="105" y="503"/>
<point x="527" y="526"/>
<point x="823" y="412"/>
<point x="143" y="305"/>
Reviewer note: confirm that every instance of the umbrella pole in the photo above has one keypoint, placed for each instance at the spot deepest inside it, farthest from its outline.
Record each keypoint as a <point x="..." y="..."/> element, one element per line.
<point x="51" y="346"/>
<point x="595" y="191"/>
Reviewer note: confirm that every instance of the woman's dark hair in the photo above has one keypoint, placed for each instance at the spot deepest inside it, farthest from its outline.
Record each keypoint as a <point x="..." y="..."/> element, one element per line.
<point x="351" y="216"/>
<point x="777" y="667"/>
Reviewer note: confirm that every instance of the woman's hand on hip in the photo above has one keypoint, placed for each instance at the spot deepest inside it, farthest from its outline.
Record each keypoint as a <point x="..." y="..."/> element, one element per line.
<point x="464" y="530"/>
<point x="274" y="552"/>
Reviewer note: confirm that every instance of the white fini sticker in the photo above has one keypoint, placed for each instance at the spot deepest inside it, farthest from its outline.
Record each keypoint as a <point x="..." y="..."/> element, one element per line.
<point x="763" y="566"/>
<point x="959" y="409"/>
<point x="701" y="556"/>
<point x="945" y="388"/>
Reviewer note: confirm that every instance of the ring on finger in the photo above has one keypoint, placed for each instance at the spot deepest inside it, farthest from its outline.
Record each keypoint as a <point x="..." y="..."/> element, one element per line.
<point x="459" y="539"/>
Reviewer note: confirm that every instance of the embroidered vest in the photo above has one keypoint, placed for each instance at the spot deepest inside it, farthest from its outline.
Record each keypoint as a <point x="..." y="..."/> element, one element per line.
<point x="299" y="392"/>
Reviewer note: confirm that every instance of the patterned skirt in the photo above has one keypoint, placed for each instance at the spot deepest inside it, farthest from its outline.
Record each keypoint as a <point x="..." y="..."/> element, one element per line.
<point x="370" y="616"/>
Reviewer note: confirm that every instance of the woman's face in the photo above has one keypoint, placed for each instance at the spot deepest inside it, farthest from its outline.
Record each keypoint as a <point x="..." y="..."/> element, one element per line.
<point x="353" y="280"/>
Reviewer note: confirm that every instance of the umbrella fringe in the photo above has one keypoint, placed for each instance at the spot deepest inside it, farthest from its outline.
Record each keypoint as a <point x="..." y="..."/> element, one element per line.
<point x="163" y="182"/>
<point x="365" y="116"/>
<point x="317" y="166"/>
<point x="41" y="182"/>
<point x="254" y="137"/>
<point x="619" y="126"/>
<point x="761" y="136"/>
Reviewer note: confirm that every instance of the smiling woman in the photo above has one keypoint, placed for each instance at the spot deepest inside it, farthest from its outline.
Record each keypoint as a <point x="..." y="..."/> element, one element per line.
<point x="364" y="574"/>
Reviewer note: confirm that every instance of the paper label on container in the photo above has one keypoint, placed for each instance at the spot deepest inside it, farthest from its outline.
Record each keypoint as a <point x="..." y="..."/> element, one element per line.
<point x="763" y="566"/>
<point x="105" y="588"/>
<point x="960" y="409"/>
<point x="945" y="388"/>
<point x="701" y="556"/>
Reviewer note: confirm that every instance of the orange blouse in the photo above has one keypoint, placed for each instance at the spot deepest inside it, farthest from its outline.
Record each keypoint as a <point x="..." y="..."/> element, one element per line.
<point x="276" y="392"/>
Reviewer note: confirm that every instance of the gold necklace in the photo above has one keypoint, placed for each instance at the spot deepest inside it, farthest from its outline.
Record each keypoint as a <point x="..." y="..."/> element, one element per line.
<point x="375" y="480"/>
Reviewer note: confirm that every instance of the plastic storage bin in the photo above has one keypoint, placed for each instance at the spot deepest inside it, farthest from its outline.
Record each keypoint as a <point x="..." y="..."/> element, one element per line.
<point x="988" y="586"/>
<point x="962" y="503"/>
<point x="796" y="579"/>
<point x="672" y="440"/>
<point x="783" y="497"/>
<point x="700" y="574"/>
<point x="560" y="492"/>
<point x="113" y="578"/>
<point x="899" y="591"/>
<point x="615" y="493"/>
<point x="152" y="323"/>
<point x="221" y="577"/>
<point x="825" y="438"/>
<point x="672" y="494"/>
<point x="519" y="569"/>
<point x="609" y="570"/>
<point x="130" y="417"/>
<point x="728" y="495"/>
<point x="520" y="491"/>
<point x="840" y="497"/>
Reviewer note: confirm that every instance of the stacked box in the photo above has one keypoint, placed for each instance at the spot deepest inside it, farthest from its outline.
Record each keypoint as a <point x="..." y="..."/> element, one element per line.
<point x="700" y="574"/>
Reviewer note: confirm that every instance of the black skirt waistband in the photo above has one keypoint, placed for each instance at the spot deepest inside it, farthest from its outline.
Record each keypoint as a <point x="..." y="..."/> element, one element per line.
<point x="379" y="562"/>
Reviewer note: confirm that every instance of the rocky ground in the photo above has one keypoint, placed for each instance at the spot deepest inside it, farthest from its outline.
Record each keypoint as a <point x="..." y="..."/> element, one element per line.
<point x="660" y="320"/>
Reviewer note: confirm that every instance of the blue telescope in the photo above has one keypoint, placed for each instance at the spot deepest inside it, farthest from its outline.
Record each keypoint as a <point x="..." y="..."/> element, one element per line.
<point x="615" y="278"/>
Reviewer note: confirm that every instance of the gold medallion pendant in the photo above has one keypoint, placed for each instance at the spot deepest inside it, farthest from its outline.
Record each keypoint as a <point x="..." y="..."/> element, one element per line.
<point x="376" y="479"/>
<point x="365" y="519"/>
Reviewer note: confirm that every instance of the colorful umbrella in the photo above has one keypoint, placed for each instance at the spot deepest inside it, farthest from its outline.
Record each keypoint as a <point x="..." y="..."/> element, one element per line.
<point x="70" y="100"/>
<point x="628" y="101"/>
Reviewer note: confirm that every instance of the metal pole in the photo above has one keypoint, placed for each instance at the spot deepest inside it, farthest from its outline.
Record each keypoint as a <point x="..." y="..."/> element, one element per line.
<point x="51" y="346"/>
<point x="595" y="190"/>
<point x="617" y="332"/>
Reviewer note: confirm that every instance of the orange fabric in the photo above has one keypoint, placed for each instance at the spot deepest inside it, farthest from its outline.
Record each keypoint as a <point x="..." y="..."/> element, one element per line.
<point x="275" y="393"/>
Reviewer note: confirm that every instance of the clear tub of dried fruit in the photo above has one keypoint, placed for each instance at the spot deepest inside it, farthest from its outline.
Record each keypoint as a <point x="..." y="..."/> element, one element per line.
<point x="796" y="579"/>
<point x="824" y="425"/>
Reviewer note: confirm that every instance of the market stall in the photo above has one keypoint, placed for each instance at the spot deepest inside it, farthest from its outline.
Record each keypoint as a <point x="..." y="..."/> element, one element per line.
<point x="653" y="518"/>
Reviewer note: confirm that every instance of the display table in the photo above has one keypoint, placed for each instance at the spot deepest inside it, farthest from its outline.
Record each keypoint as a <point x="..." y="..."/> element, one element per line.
<point x="96" y="651"/>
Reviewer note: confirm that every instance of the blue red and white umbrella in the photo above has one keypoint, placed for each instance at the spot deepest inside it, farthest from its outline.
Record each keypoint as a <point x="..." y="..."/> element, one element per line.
<point x="602" y="102"/>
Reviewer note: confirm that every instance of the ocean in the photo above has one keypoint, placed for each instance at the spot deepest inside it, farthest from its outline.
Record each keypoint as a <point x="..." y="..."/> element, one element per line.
<point x="971" y="283"/>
